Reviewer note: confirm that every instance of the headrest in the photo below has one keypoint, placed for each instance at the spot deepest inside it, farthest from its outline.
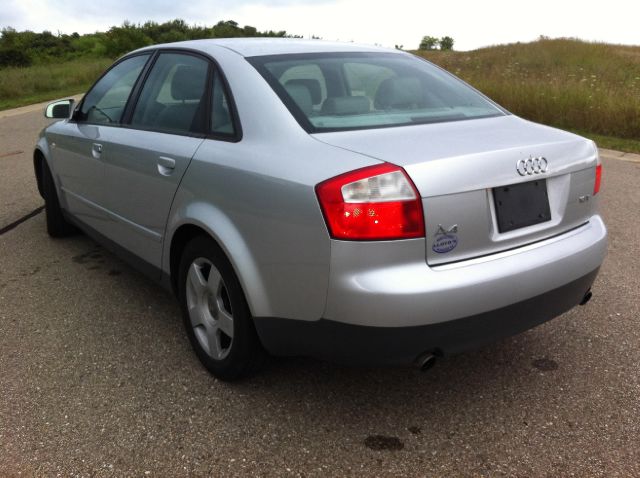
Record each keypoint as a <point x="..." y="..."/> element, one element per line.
<point x="346" y="105"/>
<point x="301" y="95"/>
<point x="188" y="83"/>
<point x="400" y="92"/>
<point x="312" y="85"/>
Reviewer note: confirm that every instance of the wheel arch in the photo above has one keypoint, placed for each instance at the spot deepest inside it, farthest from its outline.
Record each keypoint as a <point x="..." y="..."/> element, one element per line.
<point x="182" y="236"/>
<point x="40" y="158"/>
<point x="38" y="162"/>
<point x="230" y="243"/>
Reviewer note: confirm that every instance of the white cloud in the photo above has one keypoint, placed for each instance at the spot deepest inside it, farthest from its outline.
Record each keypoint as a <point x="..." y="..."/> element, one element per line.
<point x="470" y="22"/>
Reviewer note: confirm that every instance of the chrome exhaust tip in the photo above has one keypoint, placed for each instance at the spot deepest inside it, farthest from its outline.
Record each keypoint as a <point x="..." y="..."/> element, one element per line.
<point x="425" y="361"/>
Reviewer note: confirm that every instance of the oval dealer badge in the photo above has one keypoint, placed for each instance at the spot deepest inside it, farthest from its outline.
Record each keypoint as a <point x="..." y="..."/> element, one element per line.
<point x="445" y="243"/>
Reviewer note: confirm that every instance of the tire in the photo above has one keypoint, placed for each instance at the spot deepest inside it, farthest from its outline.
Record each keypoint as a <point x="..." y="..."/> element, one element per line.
<point x="57" y="226"/>
<point x="215" y="312"/>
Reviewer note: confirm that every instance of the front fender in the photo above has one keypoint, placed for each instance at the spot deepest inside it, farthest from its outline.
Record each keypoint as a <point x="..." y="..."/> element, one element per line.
<point x="40" y="153"/>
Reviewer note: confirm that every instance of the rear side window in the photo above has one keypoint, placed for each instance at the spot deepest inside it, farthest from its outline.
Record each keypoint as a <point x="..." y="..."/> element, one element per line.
<point x="107" y="99"/>
<point x="221" y="116"/>
<point x="174" y="96"/>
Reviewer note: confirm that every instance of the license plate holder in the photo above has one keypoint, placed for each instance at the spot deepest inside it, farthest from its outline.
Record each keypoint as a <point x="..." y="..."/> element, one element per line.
<point x="521" y="205"/>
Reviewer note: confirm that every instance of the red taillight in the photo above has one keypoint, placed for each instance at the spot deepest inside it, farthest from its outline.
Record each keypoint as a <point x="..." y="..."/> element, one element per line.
<point x="374" y="203"/>
<point x="596" y="186"/>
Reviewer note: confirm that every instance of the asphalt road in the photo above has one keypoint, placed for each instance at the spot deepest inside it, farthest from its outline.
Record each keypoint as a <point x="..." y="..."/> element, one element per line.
<point x="97" y="377"/>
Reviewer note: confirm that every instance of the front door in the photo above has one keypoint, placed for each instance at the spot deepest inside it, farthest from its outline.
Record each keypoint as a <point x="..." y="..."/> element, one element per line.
<point x="76" y="145"/>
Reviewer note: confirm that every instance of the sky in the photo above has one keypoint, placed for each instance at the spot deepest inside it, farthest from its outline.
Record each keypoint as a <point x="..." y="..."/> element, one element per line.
<point x="472" y="23"/>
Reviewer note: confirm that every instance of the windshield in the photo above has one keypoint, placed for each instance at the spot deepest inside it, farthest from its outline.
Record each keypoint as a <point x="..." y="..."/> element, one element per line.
<point x="344" y="91"/>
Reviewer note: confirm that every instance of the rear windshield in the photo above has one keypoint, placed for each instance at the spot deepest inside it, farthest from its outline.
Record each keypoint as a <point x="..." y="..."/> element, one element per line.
<point x="345" y="91"/>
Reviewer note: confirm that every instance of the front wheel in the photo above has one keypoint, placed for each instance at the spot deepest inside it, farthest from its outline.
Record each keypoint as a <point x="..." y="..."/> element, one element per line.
<point x="215" y="313"/>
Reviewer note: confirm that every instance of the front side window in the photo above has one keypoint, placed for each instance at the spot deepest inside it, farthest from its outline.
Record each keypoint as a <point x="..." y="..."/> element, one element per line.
<point x="174" y="96"/>
<point x="344" y="91"/>
<point x="107" y="99"/>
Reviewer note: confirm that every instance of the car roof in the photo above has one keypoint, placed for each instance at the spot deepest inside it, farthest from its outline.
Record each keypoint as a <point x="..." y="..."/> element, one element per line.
<point x="270" y="46"/>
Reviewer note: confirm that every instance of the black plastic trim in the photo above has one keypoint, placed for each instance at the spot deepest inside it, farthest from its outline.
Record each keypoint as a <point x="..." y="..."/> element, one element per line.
<point x="364" y="345"/>
<point x="132" y="101"/>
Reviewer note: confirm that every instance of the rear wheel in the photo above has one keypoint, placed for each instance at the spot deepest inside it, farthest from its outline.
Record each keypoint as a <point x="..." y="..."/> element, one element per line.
<point x="215" y="313"/>
<point x="57" y="225"/>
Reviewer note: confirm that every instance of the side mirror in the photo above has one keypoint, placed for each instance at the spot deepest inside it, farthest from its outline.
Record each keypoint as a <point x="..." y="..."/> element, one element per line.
<point x="59" y="109"/>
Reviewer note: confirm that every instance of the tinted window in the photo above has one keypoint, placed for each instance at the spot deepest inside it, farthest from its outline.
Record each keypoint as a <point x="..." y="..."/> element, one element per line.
<point x="221" y="119"/>
<point x="341" y="91"/>
<point x="364" y="79"/>
<point x="106" y="101"/>
<point x="174" y="95"/>
<point x="308" y="76"/>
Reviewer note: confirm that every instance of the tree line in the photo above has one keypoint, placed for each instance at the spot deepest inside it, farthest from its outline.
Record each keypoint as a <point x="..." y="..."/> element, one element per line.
<point x="24" y="48"/>
<point x="434" y="43"/>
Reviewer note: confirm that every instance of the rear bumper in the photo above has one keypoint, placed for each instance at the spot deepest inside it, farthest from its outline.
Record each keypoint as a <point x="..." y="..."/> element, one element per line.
<point x="389" y="284"/>
<point x="356" y="344"/>
<point x="385" y="305"/>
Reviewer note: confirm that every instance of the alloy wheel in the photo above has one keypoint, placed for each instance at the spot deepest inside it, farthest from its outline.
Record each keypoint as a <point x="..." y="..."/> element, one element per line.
<point x="209" y="308"/>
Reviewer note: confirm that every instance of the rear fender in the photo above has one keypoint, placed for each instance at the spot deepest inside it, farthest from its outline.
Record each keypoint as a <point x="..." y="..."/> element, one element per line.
<point x="201" y="214"/>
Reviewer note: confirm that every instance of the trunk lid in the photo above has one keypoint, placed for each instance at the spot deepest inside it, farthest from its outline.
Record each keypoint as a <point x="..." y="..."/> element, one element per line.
<point x="457" y="165"/>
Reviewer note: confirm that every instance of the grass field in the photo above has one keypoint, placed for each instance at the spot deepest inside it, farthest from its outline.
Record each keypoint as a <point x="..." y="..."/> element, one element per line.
<point x="23" y="86"/>
<point x="590" y="88"/>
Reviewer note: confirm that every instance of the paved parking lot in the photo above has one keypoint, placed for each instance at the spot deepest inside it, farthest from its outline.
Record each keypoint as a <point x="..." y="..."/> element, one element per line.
<point x="98" y="379"/>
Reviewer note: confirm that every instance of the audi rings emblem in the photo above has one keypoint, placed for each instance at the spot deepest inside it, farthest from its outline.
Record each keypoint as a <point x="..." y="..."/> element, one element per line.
<point x="529" y="166"/>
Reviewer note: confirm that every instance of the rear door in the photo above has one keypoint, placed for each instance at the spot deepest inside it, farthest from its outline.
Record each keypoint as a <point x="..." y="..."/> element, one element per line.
<point x="146" y="160"/>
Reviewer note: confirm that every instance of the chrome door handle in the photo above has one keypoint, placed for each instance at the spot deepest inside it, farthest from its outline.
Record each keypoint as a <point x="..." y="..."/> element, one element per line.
<point x="166" y="165"/>
<point x="96" y="150"/>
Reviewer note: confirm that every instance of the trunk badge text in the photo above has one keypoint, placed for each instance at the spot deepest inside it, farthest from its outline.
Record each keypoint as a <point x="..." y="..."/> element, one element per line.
<point x="446" y="240"/>
<point x="441" y="230"/>
<point x="531" y="165"/>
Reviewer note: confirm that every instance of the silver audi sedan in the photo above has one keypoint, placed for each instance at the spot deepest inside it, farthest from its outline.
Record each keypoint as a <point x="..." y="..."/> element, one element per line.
<point x="339" y="201"/>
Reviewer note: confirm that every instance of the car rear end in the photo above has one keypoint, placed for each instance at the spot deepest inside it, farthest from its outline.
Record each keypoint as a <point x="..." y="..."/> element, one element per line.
<point x="470" y="225"/>
<point x="456" y="278"/>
